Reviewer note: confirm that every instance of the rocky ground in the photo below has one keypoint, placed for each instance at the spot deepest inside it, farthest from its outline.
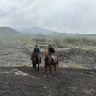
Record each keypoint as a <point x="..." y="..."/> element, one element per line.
<point x="17" y="78"/>
<point x="77" y="56"/>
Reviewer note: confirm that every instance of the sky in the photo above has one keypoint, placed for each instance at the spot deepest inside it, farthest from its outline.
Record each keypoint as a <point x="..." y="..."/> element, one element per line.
<point x="66" y="16"/>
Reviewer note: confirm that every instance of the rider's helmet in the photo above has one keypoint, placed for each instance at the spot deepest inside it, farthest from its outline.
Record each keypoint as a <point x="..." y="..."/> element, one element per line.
<point x="36" y="45"/>
<point x="49" y="45"/>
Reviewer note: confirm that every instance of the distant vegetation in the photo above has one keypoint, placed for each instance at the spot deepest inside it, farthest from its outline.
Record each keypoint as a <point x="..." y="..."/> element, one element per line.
<point x="73" y="41"/>
<point x="54" y="41"/>
<point x="67" y="41"/>
<point x="79" y="41"/>
<point x="58" y="39"/>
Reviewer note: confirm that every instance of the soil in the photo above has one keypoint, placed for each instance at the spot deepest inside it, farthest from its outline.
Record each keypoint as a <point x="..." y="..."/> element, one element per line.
<point x="24" y="81"/>
<point x="17" y="78"/>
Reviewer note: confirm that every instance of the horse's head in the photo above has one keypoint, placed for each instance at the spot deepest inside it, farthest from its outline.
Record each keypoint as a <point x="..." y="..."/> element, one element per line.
<point x="34" y="55"/>
<point x="46" y="52"/>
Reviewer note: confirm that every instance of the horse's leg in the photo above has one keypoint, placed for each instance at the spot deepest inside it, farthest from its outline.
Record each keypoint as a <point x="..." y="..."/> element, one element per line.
<point x="50" y="70"/>
<point x="33" y="64"/>
<point x="45" y="71"/>
<point x="57" y="63"/>
<point x="38" y="62"/>
<point x="54" y="68"/>
<point x="35" y="67"/>
<point x="38" y="66"/>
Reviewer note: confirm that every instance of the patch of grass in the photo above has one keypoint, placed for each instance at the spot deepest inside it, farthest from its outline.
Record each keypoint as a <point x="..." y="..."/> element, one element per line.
<point x="30" y="44"/>
<point x="14" y="70"/>
<point x="75" y="66"/>
<point x="25" y="64"/>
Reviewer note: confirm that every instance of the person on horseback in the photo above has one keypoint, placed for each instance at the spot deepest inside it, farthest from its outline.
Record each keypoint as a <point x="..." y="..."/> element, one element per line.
<point x="37" y="51"/>
<point x="51" y="52"/>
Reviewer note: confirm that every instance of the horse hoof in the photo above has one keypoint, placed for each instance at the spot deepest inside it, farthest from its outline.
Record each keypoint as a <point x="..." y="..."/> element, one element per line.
<point x="54" y="72"/>
<point x="45" y="76"/>
<point x="49" y="75"/>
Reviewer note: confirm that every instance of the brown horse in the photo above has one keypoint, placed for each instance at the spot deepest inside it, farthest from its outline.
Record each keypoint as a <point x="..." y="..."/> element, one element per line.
<point x="35" y="60"/>
<point x="48" y="62"/>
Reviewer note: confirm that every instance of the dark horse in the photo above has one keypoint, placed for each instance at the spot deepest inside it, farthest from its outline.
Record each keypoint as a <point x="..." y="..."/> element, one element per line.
<point x="48" y="62"/>
<point x="35" y="60"/>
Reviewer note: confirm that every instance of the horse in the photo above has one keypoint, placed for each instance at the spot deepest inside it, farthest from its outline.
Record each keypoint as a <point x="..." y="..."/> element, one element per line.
<point x="35" y="60"/>
<point x="48" y="62"/>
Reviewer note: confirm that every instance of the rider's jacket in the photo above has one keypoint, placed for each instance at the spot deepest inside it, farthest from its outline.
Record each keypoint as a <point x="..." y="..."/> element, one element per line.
<point x="51" y="50"/>
<point x="37" y="50"/>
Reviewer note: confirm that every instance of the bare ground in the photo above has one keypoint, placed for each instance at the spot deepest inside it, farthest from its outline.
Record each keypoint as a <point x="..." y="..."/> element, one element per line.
<point x="23" y="81"/>
<point x="17" y="78"/>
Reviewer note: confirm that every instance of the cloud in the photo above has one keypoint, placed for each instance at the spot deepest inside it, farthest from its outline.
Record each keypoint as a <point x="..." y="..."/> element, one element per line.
<point x="58" y="15"/>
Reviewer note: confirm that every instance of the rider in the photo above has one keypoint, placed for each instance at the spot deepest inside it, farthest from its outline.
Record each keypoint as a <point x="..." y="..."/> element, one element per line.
<point x="37" y="51"/>
<point x="51" y="52"/>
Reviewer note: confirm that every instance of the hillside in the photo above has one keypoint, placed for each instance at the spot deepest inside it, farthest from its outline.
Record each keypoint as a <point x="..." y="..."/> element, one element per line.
<point x="34" y="30"/>
<point x="47" y="33"/>
<point x="7" y="31"/>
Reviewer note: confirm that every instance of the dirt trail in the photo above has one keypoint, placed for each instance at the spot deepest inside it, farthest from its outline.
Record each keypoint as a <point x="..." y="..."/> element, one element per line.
<point x="17" y="78"/>
<point x="23" y="81"/>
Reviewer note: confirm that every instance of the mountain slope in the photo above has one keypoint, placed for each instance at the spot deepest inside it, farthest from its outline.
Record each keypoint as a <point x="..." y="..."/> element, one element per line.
<point x="47" y="33"/>
<point x="34" y="30"/>
<point x="7" y="31"/>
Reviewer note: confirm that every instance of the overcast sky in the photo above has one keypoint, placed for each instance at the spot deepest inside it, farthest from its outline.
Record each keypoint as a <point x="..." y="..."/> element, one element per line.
<point x="72" y="16"/>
